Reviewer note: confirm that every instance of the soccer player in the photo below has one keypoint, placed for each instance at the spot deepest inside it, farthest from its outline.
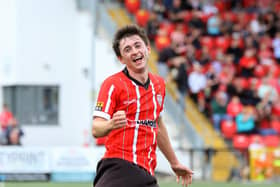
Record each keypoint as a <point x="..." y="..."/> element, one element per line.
<point x="128" y="111"/>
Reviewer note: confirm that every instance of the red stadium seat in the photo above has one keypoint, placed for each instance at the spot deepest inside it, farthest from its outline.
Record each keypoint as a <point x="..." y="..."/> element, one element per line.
<point x="276" y="109"/>
<point x="254" y="80"/>
<point x="234" y="108"/>
<point x="241" y="141"/>
<point x="132" y="6"/>
<point x="244" y="82"/>
<point x="264" y="124"/>
<point x="204" y="17"/>
<point x="222" y="42"/>
<point x="207" y="41"/>
<point x="220" y="5"/>
<point x="162" y="42"/>
<point x="168" y="27"/>
<point x="271" y="140"/>
<point x="232" y="16"/>
<point x="277" y="7"/>
<point x="275" y="124"/>
<point x="188" y="16"/>
<point x="260" y="71"/>
<point x="256" y="137"/>
<point x="228" y="128"/>
<point x="142" y="17"/>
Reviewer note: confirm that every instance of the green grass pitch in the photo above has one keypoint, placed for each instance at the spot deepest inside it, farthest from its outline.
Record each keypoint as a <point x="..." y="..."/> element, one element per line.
<point x="163" y="183"/>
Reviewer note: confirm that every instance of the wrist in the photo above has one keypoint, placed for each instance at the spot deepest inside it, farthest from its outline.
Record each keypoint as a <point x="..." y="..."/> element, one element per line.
<point x="174" y="162"/>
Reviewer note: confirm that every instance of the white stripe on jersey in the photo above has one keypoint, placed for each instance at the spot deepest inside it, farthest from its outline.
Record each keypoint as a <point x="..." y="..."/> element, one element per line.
<point x="155" y="115"/>
<point x="154" y="100"/>
<point x="136" y="125"/>
<point x="109" y="98"/>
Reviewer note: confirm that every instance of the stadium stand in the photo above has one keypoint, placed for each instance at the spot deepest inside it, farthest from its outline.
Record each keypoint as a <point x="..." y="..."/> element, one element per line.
<point x="237" y="44"/>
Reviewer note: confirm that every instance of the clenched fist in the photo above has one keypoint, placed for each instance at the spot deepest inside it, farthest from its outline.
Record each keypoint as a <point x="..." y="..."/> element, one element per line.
<point x="119" y="119"/>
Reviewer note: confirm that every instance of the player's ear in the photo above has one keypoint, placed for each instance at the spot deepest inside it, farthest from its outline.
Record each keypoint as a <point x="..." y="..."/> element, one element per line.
<point x="149" y="49"/>
<point x="120" y="59"/>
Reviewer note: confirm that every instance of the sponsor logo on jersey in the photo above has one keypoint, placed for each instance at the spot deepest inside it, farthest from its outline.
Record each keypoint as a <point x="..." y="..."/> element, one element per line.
<point x="147" y="122"/>
<point x="128" y="102"/>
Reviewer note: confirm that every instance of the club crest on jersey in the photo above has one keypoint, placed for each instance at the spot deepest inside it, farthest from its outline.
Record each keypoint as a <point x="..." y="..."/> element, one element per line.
<point x="159" y="99"/>
<point x="99" y="106"/>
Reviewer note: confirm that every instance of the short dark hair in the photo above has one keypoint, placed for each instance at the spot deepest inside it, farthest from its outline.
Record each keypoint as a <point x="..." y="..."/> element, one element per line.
<point x="127" y="31"/>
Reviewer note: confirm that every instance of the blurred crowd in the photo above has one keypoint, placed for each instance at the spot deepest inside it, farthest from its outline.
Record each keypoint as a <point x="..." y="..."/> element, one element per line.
<point x="10" y="131"/>
<point x="224" y="54"/>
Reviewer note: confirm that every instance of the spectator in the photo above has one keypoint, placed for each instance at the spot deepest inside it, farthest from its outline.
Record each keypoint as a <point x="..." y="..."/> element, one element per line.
<point x="227" y="24"/>
<point x="276" y="46"/>
<point x="159" y="9"/>
<point x="245" y="121"/>
<point x="180" y="76"/>
<point x="193" y="38"/>
<point x="218" y="108"/>
<point x="173" y="56"/>
<point x="213" y="25"/>
<point x="212" y="86"/>
<point x="276" y="109"/>
<point x="212" y="80"/>
<point x="234" y="107"/>
<point x="248" y="62"/>
<point x="173" y="64"/>
<point x="265" y="55"/>
<point x="250" y="93"/>
<point x="14" y="136"/>
<point x="227" y="72"/>
<point x="152" y="26"/>
<point x="235" y="50"/>
<point x="209" y="8"/>
<point x="205" y="57"/>
<point x="264" y="108"/>
<point x="195" y="21"/>
<point x="197" y="81"/>
<point x="257" y="25"/>
<point x="236" y="88"/>
<point x="177" y="11"/>
<point x="3" y="139"/>
<point x="14" y="133"/>
<point x="5" y="116"/>
<point x="265" y="89"/>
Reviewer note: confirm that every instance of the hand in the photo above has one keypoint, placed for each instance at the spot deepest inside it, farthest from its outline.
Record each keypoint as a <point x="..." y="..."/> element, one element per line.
<point x="119" y="119"/>
<point x="183" y="173"/>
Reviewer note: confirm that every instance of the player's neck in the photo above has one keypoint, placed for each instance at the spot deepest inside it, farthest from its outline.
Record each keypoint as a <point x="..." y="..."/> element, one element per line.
<point x="142" y="76"/>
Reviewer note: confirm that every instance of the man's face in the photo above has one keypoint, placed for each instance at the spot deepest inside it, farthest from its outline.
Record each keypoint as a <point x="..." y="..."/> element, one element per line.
<point x="134" y="53"/>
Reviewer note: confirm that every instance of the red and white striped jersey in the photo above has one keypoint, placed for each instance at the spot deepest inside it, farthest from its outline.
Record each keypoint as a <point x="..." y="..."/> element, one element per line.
<point x="136" y="142"/>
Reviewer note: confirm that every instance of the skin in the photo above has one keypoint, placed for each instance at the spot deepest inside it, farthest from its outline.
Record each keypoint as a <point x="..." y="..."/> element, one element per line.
<point x="132" y="48"/>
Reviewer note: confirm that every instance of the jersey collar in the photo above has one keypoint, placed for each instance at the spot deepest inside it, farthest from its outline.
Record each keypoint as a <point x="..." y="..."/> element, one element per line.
<point x="145" y="85"/>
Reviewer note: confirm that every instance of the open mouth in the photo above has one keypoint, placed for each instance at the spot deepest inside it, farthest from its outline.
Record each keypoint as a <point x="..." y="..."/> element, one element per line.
<point x="138" y="59"/>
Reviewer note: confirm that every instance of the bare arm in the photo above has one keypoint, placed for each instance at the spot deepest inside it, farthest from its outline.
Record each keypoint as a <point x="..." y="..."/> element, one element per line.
<point x="101" y="127"/>
<point x="165" y="146"/>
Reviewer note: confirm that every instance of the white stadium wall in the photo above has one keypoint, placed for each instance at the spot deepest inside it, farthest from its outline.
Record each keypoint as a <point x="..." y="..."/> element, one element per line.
<point x="51" y="43"/>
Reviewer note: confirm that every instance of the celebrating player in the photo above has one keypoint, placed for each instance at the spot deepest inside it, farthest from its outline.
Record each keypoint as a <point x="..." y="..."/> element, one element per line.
<point x="128" y="111"/>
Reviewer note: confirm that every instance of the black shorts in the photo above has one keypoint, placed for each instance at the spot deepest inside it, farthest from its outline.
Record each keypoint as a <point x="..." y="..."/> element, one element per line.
<point x="114" y="172"/>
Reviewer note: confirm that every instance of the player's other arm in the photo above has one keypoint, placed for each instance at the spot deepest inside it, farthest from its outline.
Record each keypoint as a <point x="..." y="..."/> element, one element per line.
<point x="164" y="143"/>
<point x="183" y="173"/>
<point x="101" y="127"/>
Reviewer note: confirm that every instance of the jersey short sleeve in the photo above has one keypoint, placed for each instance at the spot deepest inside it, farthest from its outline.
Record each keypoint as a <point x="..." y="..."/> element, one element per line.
<point x="106" y="100"/>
